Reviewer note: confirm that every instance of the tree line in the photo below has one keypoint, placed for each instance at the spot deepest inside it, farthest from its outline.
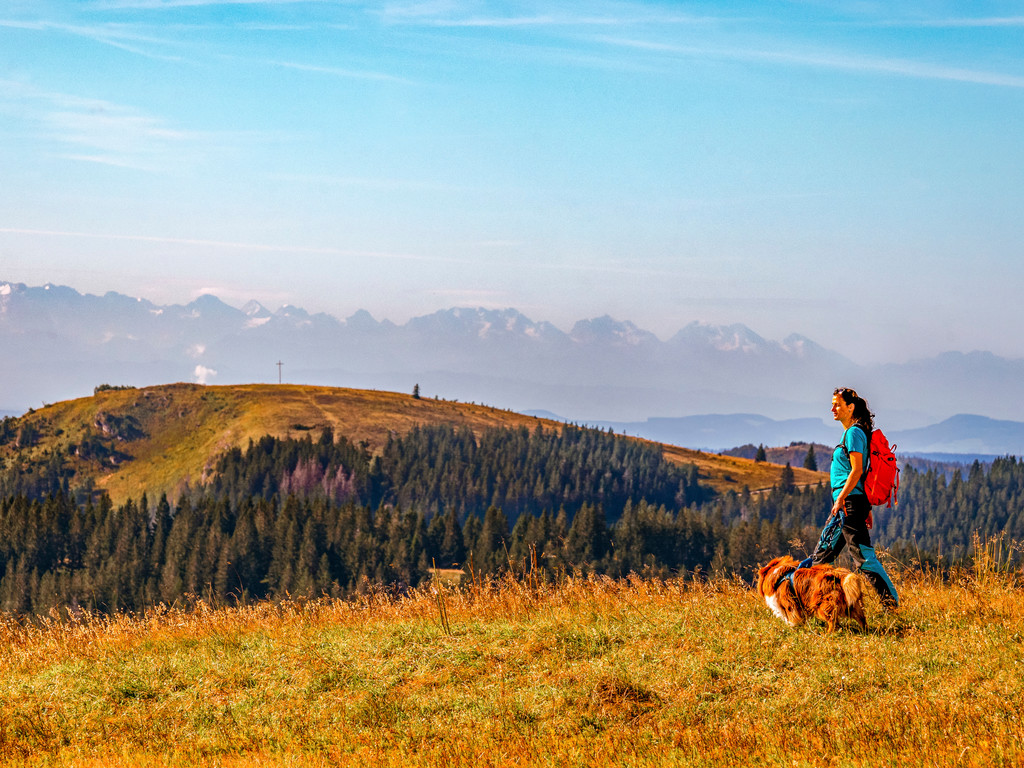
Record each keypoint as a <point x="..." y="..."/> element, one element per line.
<point x="55" y="553"/>
<point x="438" y="468"/>
<point x="303" y="517"/>
<point x="298" y="516"/>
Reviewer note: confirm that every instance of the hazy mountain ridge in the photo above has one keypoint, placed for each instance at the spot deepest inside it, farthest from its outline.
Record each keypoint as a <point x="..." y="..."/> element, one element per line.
<point x="65" y="343"/>
<point x="960" y="437"/>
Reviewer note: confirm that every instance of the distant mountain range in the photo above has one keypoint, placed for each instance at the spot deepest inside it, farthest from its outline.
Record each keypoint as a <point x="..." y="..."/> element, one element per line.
<point x="959" y="438"/>
<point x="58" y="343"/>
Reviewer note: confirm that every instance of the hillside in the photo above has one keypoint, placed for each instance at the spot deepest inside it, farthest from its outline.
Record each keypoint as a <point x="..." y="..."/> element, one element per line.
<point x="586" y="672"/>
<point x="157" y="439"/>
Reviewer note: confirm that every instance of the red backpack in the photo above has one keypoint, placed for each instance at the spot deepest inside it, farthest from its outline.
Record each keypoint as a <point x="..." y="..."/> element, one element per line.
<point x="882" y="478"/>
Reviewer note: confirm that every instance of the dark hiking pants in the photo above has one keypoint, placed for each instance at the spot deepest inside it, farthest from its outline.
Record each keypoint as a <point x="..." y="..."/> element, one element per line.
<point x="851" y="529"/>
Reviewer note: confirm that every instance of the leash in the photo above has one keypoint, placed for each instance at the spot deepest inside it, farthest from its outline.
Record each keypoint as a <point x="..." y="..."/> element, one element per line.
<point x="834" y="522"/>
<point x="833" y="526"/>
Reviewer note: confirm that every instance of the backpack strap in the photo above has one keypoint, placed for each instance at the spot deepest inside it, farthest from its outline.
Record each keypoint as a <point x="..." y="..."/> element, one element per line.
<point x="867" y="451"/>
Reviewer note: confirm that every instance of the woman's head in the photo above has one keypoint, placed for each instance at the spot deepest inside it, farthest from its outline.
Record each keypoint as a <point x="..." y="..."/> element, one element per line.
<point x="861" y="414"/>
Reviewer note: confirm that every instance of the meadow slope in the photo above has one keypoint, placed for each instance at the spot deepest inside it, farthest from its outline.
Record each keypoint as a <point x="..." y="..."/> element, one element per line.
<point x="588" y="672"/>
<point x="174" y="432"/>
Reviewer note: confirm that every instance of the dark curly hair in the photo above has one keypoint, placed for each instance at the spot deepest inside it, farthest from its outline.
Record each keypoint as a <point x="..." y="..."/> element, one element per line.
<point x="862" y="415"/>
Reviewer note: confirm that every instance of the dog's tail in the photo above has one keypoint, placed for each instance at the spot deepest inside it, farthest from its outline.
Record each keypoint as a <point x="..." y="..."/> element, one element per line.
<point x="854" y="598"/>
<point x="851" y="588"/>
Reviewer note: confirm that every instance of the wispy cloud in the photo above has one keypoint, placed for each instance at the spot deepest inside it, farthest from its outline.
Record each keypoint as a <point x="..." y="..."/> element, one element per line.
<point x="125" y="37"/>
<point x="448" y="14"/>
<point x="228" y="245"/>
<point x="259" y="26"/>
<point x="845" y="62"/>
<point x="504" y="22"/>
<point x="100" y="131"/>
<point x="984" y="22"/>
<point x="371" y="183"/>
<point x="355" y="74"/>
<point x="141" y="5"/>
<point x="96" y="130"/>
<point x="551" y="20"/>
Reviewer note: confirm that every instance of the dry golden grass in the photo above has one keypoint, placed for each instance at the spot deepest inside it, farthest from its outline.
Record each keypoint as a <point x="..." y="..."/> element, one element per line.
<point x="187" y="426"/>
<point x="730" y="472"/>
<point x="588" y="672"/>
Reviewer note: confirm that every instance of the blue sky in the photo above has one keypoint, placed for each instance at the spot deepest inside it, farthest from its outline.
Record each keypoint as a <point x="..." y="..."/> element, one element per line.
<point x="782" y="165"/>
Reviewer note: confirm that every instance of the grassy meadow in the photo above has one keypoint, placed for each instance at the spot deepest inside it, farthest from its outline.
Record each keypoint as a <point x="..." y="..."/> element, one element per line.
<point x="586" y="672"/>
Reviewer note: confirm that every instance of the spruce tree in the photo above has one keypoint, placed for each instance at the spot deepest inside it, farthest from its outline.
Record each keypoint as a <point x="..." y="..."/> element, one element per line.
<point x="492" y="542"/>
<point x="810" y="461"/>
<point x="588" y="540"/>
<point x="787" y="482"/>
<point x="452" y="549"/>
<point x="470" y="535"/>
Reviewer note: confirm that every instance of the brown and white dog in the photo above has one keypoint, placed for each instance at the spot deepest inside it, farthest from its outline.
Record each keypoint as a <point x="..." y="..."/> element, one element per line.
<point x="829" y="593"/>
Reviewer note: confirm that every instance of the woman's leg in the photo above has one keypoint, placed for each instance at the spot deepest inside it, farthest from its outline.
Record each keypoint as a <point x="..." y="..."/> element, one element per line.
<point x="855" y="533"/>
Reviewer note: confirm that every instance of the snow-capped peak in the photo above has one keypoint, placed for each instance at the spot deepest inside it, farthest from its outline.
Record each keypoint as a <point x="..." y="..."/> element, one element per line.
<point x="724" y="338"/>
<point x="255" y="309"/>
<point x="608" y="329"/>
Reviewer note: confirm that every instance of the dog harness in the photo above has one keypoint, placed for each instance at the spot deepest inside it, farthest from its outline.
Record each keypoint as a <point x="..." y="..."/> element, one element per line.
<point x="789" y="577"/>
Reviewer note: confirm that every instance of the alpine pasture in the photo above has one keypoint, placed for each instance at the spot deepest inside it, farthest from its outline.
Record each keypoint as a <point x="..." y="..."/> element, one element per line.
<point x="592" y="671"/>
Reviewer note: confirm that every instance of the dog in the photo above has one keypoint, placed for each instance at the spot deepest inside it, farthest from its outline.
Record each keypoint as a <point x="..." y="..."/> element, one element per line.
<point x="829" y="593"/>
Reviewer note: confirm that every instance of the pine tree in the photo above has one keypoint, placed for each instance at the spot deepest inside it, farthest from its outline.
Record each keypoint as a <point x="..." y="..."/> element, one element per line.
<point x="492" y="542"/>
<point x="588" y="539"/>
<point x="810" y="461"/>
<point x="470" y="535"/>
<point x="451" y="551"/>
<point x="787" y="483"/>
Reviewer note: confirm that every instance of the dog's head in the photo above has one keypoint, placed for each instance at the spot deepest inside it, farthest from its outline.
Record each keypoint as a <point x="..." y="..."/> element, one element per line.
<point x="769" y="574"/>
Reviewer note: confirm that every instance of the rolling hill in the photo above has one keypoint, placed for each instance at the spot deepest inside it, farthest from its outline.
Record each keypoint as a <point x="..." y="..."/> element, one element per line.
<point x="158" y="439"/>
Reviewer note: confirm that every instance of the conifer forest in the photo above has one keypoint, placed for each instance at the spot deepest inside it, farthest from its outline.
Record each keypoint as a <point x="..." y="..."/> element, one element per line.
<point x="305" y="517"/>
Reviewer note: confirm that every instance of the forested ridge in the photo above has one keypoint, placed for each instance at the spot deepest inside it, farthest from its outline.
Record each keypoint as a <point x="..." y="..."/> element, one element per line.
<point x="437" y="469"/>
<point x="308" y="517"/>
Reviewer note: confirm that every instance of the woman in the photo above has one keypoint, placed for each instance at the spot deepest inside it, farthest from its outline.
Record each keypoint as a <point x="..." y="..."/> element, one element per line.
<point x="848" y="521"/>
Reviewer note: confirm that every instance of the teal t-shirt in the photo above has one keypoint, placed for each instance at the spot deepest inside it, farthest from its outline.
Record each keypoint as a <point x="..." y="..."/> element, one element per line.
<point x="856" y="441"/>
